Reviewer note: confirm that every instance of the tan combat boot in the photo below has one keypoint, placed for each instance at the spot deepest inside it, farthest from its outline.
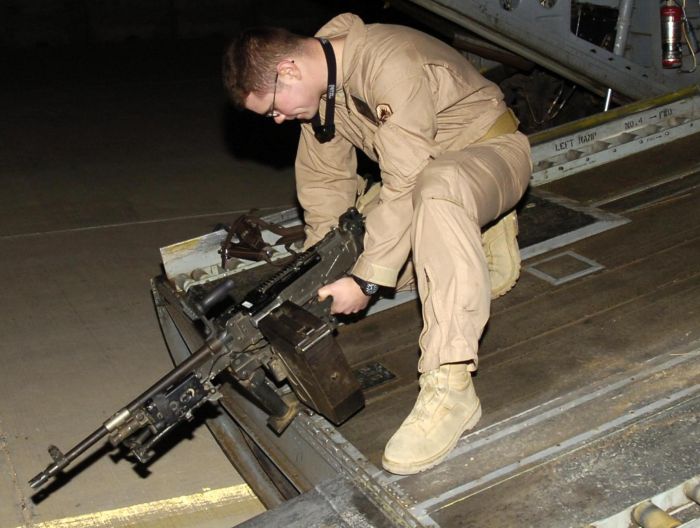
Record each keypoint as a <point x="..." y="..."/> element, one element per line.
<point x="502" y="254"/>
<point x="446" y="407"/>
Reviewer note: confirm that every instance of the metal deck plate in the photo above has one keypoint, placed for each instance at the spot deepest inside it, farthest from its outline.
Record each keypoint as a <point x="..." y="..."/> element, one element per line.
<point x="548" y="221"/>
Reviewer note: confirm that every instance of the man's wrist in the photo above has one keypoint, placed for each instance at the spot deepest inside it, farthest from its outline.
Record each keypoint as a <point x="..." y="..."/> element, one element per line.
<point x="368" y="288"/>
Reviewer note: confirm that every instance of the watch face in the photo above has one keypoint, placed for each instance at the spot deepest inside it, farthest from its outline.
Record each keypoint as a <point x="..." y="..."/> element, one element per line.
<point x="370" y="288"/>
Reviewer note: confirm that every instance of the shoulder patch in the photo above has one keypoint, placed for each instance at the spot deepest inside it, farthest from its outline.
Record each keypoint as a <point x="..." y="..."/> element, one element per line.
<point x="384" y="112"/>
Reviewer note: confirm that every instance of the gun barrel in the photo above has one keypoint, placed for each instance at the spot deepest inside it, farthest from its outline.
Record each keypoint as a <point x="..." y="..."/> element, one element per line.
<point x="61" y="461"/>
<point x="209" y="349"/>
<point x="40" y="479"/>
<point x="297" y="283"/>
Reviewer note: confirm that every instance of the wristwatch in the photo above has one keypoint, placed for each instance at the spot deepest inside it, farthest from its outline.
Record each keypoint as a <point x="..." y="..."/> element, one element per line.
<point x="368" y="288"/>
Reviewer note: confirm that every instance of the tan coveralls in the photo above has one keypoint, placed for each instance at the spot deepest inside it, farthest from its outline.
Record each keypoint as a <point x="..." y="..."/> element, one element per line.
<point x="418" y="108"/>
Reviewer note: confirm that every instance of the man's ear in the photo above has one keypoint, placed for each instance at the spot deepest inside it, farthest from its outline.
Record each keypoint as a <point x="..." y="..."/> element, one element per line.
<point x="288" y="70"/>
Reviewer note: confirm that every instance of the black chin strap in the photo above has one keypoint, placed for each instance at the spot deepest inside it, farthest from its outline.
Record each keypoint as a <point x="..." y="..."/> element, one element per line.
<point x="326" y="131"/>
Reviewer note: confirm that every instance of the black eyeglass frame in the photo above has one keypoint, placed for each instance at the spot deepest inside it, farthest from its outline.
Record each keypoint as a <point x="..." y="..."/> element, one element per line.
<point x="272" y="112"/>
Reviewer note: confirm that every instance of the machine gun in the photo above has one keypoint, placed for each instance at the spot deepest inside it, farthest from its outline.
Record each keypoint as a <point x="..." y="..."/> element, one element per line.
<point x="279" y="328"/>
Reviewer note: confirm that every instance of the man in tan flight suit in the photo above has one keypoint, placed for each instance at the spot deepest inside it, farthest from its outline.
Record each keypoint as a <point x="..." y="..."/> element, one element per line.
<point x="451" y="162"/>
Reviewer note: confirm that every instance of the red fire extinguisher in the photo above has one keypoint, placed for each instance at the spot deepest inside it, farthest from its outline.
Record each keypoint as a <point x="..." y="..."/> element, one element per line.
<point x="671" y="20"/>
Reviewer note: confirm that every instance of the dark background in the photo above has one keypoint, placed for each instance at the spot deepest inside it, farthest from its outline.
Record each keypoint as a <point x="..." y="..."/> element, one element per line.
<point x="101" y="40"/>
<point x="66" y="45"/>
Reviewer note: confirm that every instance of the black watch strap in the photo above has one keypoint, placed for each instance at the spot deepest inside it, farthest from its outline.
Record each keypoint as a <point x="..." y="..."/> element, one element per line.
<point x="368" y="288"/>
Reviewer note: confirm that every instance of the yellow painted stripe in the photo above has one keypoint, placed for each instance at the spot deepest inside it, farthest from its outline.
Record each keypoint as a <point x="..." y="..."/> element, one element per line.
<point x="206" y="500"/>
<point x="605" y="117"/>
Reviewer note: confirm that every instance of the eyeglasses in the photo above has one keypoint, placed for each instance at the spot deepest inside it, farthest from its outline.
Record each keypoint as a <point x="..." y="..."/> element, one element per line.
<point x="272" y="112"/>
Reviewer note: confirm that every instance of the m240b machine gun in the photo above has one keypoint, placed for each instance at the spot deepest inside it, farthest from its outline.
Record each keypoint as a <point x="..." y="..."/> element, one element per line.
<point x="279" y="329"/>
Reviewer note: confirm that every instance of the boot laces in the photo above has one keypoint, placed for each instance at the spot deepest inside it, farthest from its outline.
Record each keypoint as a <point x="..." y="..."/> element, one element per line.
<point x="429" y="397"/>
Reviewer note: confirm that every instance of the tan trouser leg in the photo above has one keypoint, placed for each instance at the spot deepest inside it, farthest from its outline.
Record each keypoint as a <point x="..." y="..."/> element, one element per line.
<point x="455" y="195"/>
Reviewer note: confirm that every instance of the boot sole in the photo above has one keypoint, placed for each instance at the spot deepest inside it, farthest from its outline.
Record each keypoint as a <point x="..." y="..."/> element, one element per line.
<point x="399" y="468"/>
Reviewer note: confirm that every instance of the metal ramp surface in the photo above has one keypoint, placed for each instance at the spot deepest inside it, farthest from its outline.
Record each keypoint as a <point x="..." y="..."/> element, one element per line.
<point x="590" y="381"/>
<point x="591" y="388"/>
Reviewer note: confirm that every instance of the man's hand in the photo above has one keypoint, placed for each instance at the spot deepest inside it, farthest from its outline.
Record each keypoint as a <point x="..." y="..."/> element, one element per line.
<point x="347" y="296"/>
